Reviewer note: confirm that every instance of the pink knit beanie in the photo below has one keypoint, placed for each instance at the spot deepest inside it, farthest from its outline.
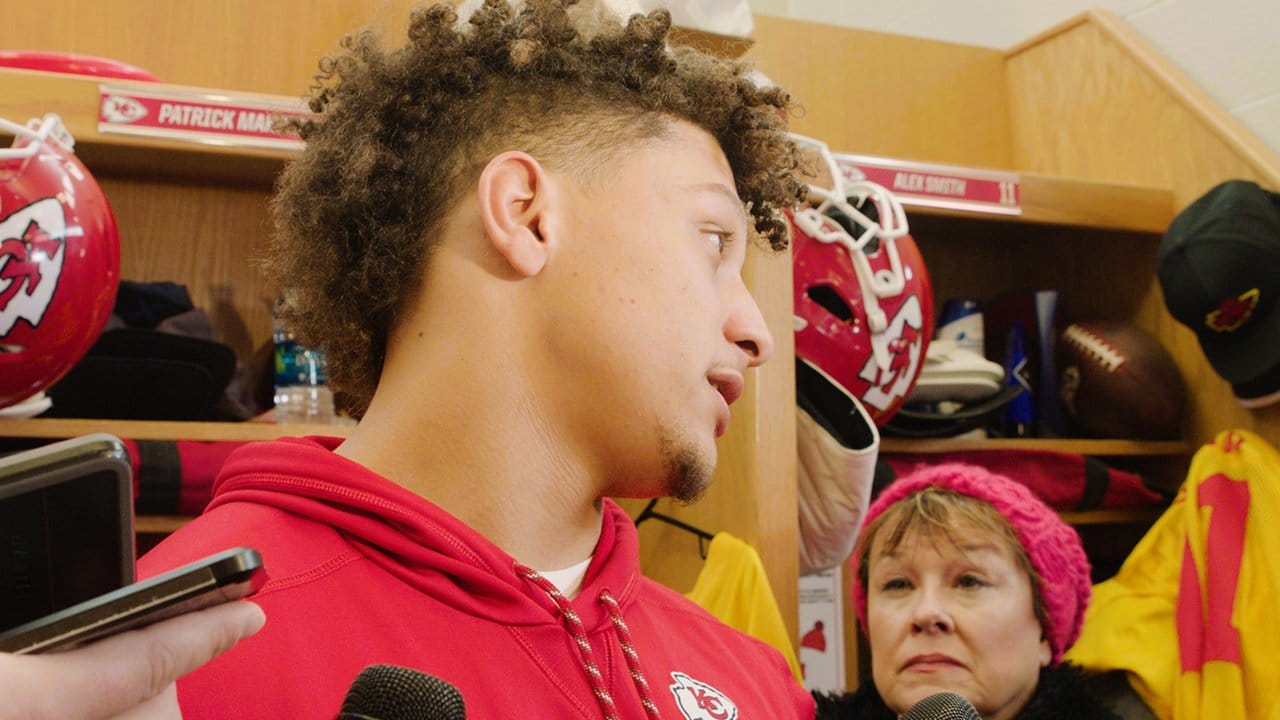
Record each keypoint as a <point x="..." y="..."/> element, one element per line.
<point x="1053" y="546"/>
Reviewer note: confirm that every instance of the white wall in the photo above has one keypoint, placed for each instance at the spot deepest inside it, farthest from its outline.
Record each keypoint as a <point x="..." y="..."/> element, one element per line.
<point x="1230" y="47"/>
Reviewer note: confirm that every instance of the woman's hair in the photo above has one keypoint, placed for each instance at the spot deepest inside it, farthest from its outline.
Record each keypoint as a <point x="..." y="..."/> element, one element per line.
<point x="940" y="515"/>
<point x="398" y="135"/>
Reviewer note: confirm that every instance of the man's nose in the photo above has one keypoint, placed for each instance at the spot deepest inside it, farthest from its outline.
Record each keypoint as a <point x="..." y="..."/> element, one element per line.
<point x="746" y="328"/>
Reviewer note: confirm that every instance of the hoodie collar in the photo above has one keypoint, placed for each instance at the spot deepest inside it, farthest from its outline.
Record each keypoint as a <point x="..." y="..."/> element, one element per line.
<point x="417" y="541"/>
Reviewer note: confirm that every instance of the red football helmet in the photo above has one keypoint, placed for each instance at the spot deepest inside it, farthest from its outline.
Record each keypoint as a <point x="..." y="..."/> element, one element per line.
<point x="59" y="258"/>
<point x="863" y="305"/>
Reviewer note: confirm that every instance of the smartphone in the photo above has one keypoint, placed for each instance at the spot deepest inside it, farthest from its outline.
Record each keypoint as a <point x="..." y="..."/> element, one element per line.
<point x="66" y="525"/>
<point x="218" y="578"/>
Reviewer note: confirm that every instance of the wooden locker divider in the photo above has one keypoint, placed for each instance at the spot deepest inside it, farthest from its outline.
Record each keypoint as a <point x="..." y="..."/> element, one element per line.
<point x="888" y="95"/>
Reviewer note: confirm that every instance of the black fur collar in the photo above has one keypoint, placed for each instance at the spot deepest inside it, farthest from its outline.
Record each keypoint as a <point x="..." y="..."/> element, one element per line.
<point x="1061" y="694"/>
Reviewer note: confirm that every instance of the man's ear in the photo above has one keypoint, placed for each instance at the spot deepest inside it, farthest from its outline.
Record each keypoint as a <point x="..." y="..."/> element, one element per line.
<point x="515" y="195"/>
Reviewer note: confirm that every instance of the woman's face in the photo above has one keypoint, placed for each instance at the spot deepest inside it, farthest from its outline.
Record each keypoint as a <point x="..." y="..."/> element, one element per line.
<point x="953" y="612"/>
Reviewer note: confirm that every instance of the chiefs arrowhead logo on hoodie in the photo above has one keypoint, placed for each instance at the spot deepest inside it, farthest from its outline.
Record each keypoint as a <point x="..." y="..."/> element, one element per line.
<point x="699" y="701"/>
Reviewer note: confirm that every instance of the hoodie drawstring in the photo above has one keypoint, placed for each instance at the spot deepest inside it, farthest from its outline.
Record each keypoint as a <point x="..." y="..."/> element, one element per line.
<point x="629" y="651"/>
<point x="579" y="634"/>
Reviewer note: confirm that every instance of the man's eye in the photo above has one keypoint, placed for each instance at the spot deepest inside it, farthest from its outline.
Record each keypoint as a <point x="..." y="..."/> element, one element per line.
<point x="717" y="239"/>
<point x="720" y="239"/>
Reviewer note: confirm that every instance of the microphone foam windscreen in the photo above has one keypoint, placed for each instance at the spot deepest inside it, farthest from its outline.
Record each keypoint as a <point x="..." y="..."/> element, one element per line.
<point x="941" y="706"/>
<point x="392" y="692"/>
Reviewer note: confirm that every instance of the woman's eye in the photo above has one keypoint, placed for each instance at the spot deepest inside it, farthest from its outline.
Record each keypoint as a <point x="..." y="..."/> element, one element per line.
<point x="895" y="584"/>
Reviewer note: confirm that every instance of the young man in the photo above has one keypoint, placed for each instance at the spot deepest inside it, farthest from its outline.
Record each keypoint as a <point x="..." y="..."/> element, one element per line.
<point x="520" y="242"/>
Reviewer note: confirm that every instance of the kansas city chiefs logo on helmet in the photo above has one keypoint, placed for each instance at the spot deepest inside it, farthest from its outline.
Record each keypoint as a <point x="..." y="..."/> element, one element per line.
<point x="699" y="701"/>
<point x="891" y="368"/>
<point x="31" y="255"/>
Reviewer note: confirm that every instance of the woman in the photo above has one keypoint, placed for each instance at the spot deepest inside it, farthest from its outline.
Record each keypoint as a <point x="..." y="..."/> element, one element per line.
<point x="965" y="582"/>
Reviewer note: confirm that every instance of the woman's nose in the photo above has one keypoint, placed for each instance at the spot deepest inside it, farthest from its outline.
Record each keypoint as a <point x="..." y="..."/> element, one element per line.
<point x="930" y="615"/>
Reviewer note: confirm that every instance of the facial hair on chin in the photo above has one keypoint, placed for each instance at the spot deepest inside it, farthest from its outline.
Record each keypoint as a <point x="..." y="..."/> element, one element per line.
<point x="688" y="472"/>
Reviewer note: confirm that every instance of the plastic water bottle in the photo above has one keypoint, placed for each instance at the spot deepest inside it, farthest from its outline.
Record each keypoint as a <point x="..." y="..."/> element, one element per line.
<point x="302" y="383"/>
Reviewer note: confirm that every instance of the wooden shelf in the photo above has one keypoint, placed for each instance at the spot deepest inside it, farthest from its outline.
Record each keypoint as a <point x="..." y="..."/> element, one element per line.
<point x="32" y="94"/>
<point x="1013" y="196"/>
<point x="1048" y="200"/>
<point x="165" y="524"/>
<point x="248" y="431"/>
<point x="1044" y="199"/>
<point x="1107" y="448"/>
<point x="160" y="430"/>
<point x="1112" y="516"/>
<point x="159" y="524"/>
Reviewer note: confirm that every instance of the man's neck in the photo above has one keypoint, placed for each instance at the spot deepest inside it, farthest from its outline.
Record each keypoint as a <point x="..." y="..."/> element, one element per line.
<point x="499" y="469"/>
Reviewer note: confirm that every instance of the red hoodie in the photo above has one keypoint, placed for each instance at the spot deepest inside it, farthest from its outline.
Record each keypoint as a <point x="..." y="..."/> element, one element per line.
<point x="362" y="571"/>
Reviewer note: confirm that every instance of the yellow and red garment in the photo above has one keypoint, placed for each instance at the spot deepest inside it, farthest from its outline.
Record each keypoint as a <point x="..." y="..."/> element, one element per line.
<point x="1192" y="613"/>
<point x="734" y="587"/>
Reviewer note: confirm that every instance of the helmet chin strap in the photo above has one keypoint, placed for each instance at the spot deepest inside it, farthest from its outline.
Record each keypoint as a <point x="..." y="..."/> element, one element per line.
<point x="819" y="226"/>
<point x="39" y="130"/>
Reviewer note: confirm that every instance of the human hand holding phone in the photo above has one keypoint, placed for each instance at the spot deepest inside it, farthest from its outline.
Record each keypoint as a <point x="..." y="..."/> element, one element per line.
<point x="212" y="580"/>
<point x="117" y="655"/>
<point x="129" y="675"/>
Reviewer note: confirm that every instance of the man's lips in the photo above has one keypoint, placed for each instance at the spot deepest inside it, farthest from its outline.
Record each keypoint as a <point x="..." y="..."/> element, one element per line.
<point x="930" y="661"/>
<point x="729" y="385"/>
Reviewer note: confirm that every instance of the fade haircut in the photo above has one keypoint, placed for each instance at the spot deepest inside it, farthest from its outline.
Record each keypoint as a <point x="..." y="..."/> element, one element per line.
<point x="399" y="135"/>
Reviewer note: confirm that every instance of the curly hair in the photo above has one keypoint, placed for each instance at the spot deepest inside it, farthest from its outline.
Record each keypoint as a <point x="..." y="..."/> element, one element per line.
<point x="398" y="136"/>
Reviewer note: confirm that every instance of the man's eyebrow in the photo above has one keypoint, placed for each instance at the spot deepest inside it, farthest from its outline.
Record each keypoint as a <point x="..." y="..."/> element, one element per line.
<point x="718" y="189"/>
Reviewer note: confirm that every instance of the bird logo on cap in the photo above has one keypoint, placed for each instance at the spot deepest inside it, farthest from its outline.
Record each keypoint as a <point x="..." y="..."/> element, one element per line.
<point x="1233" y="312"/>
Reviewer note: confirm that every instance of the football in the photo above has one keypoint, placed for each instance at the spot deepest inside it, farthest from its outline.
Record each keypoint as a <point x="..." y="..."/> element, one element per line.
<point x="1117" y="381"/>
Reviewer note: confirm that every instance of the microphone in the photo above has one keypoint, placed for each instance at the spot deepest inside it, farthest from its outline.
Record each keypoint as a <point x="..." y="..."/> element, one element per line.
<point x="392" y="692"/>
<point x="941" y="706"/>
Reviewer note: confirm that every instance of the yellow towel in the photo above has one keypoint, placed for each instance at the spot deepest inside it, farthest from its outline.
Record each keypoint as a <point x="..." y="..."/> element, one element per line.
<point x="733" y="587"/>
